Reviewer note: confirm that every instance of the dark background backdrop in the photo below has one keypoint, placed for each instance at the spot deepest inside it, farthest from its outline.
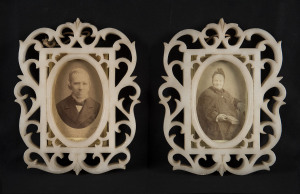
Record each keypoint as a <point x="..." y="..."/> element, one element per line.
<point x="149" y="23"/>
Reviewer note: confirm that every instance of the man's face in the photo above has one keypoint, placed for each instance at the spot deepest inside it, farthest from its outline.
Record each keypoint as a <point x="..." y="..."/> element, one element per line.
<point x="218" y="81"/>
<point x="80" y="85"/>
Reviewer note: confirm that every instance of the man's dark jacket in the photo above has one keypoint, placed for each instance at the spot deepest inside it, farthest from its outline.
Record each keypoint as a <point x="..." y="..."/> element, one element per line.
<point x="70" y="115"/>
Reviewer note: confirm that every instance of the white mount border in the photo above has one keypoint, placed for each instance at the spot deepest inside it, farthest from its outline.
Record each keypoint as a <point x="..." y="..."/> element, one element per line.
<point x="222" y="153"/>
<point x="48" y="49"/>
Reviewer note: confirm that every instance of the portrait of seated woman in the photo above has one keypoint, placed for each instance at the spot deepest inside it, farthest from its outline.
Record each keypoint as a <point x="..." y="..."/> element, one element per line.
<point x="221" y="115"/>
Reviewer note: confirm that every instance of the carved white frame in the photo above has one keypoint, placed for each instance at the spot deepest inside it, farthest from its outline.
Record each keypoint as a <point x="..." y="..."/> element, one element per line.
<point x="48" y="49"/>
<point x="222" y="152"/>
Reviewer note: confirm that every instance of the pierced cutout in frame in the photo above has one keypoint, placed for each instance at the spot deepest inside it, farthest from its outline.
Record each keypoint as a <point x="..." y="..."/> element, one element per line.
<point x="75" y="95"/>
<point x="222" y="108"/>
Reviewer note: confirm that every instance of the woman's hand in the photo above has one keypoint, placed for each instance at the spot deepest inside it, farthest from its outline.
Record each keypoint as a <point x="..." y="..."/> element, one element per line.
<point x="221" y="117"/>
<point x="228" y="118"/>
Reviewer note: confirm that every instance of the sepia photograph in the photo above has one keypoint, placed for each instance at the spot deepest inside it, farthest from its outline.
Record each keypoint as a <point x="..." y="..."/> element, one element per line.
<point x="78" y="96"/>
<point x="221" y="101"/>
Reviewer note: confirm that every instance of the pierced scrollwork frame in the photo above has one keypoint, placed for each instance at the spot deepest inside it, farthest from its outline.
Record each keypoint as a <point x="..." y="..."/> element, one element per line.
<point x="53" y="48"/>
<point x="246" y="147"/>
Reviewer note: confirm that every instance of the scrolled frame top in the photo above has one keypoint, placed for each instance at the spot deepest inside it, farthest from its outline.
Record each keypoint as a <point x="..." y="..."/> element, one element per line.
<point x="77" y="28"/>
<point x="222" y="38"/>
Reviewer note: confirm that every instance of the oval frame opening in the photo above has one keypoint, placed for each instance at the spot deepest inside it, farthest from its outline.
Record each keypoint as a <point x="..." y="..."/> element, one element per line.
<point x="86" y="135"/>
<point x="249" y="96"/>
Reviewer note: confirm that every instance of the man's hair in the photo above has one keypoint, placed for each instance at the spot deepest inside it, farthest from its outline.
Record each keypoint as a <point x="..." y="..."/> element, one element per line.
<point x="218" y="71"/>
<point x="77" y="71"/>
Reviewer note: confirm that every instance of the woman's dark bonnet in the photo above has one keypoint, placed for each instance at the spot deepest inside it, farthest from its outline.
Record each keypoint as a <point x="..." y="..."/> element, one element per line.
<point x="218" y="71"/>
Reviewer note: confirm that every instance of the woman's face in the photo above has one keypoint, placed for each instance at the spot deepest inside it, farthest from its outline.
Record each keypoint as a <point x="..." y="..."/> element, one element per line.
<point x="218" y="81"/>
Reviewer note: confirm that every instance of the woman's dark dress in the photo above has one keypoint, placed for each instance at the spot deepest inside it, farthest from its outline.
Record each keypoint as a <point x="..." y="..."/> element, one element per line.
<point x="213" y="102"/>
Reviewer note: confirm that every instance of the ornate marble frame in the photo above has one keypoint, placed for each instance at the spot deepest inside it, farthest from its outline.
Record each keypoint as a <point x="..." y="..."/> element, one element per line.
<point x="246" y="147"/>
<point x="52" y="145"/>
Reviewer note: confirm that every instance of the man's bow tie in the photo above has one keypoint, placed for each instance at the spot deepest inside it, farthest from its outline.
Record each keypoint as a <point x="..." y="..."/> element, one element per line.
<point x="79" y="103"/>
